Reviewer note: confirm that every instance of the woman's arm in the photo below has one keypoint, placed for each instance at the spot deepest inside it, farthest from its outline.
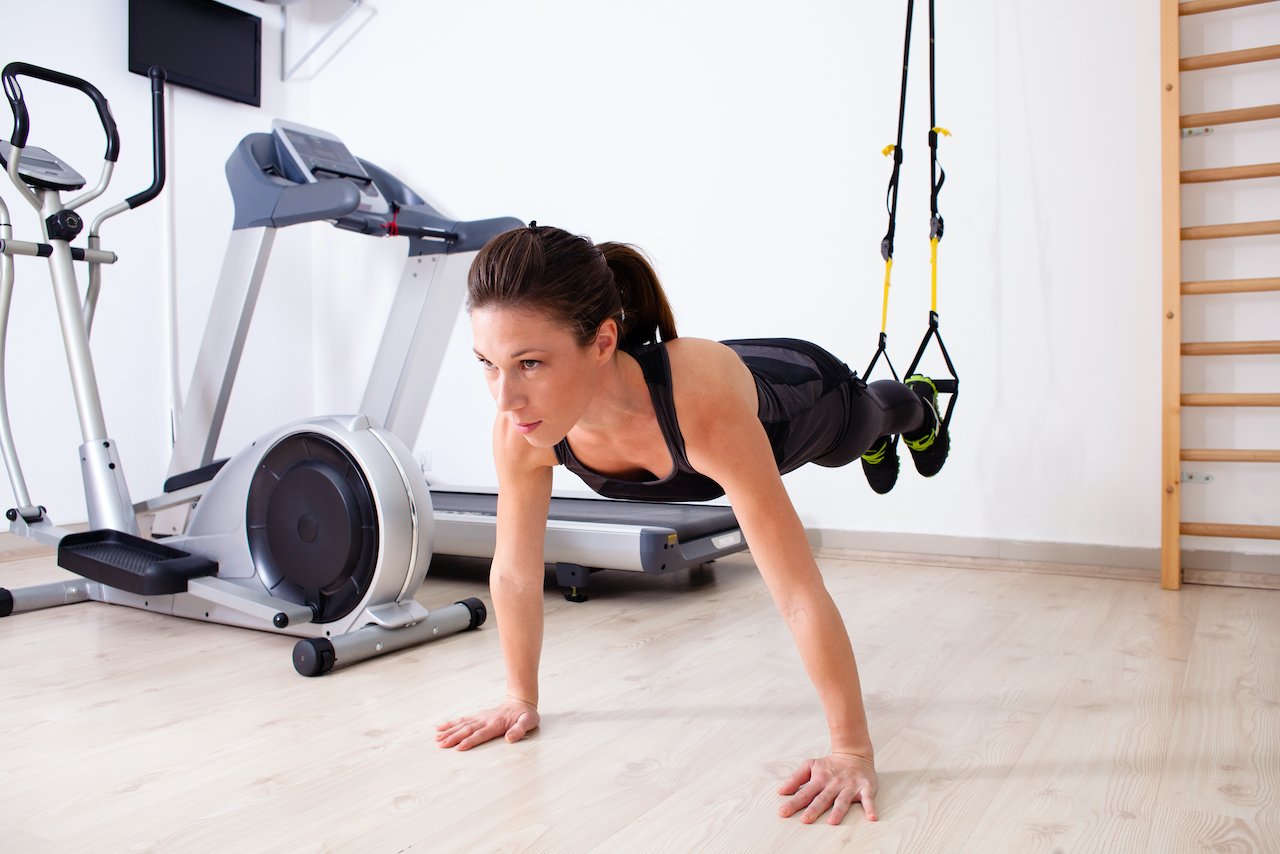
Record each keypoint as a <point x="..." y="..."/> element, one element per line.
<point x="516" y="578"/>
<point x="515" y="584"/>
<point x="725" y="441"/>
<point x="782" y="553"/>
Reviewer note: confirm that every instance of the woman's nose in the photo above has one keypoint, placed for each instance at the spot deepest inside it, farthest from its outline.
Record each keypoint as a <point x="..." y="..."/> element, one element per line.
<point x="509" y="398"/>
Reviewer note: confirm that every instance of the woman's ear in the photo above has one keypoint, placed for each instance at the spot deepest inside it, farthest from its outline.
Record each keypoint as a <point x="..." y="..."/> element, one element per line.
<point x="606" y="340"/>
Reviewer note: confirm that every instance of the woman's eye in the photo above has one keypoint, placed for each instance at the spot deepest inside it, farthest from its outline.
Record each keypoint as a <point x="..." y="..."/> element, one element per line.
<point x="485" y="363"/>
<point x="529" y="364"/>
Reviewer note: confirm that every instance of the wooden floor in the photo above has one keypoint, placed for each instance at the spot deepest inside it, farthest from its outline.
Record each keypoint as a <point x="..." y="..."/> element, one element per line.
<point x="1010" y="712"/>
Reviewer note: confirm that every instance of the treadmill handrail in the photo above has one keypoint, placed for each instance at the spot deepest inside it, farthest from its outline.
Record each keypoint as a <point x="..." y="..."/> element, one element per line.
<point x="265" y="196"/>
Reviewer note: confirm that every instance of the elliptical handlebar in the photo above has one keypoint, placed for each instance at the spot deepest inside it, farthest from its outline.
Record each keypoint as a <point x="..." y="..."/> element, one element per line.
<point x="158" y="78"/>
<point x="22" y="121"/>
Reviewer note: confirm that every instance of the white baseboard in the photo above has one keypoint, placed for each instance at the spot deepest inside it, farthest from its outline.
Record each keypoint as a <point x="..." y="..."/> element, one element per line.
<point x="1232" y="569"/>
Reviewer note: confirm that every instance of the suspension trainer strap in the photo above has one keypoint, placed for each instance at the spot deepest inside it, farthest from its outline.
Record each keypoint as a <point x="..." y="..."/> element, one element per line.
<point x="937" y="175"/>
<point x="891" y="194"/>
<point x="891" y="201"/>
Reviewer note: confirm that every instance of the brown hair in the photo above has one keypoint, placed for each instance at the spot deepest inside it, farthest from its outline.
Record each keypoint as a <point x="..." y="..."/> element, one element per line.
<point x="574" y="281"/>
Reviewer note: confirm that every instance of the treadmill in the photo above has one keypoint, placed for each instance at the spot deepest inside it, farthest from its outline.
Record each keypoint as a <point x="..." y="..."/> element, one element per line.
<point x="297" y="175"/>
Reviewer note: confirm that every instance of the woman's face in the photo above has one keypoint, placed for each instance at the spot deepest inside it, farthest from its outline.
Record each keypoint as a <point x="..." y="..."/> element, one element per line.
<point x="539" y="376"/>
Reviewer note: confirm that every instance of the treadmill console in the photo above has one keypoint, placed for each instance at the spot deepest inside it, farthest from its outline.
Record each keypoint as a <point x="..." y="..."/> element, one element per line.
<point x="316" y="155"/>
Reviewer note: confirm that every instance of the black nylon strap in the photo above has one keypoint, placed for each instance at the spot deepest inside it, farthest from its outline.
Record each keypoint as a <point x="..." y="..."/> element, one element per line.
<point x="937" y="175"/>
<point x="891" y="195"/>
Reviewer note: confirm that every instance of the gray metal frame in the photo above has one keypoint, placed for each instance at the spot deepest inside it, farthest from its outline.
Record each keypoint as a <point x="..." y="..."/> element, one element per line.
<point x="218" y="360"/>
<point x="427" y="301"/>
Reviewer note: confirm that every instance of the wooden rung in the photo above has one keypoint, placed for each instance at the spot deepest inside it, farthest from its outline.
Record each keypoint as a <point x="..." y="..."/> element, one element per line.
<point x="1217" y="455"/>
<point x="1231" y="399"/>
<point x="1226" y="117"/>
<point x="1215" y="529"/>
<point x="1232" y="229"/>
<point x="1230" y="348"/>
<point x="1195" y="7"/>
<point x="1231" y="286"/>
<point x="1230" y="57"/>
<point x="1231" y="173"/>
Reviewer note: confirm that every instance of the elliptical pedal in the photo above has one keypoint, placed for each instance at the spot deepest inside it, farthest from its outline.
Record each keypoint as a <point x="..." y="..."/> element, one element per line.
<point x="131" y="563"/>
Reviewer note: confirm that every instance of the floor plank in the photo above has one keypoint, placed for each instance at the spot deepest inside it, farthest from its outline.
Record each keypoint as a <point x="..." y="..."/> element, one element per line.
<point x="1177" y="831"/>
<point x="1227" y="740"/>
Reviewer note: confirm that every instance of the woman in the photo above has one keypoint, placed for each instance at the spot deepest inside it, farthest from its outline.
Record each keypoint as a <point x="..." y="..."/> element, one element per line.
<point x="579" y="349"/>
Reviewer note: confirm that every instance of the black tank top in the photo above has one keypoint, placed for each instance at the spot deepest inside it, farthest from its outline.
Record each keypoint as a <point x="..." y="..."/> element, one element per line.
<point x="803" y="396"/>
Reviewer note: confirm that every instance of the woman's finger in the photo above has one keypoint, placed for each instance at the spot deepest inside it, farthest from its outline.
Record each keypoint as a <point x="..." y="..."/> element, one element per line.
<point x="520" y="728"/>
<point x="868" y="803"/>
<point x="479" y="735"/>
<point x="842" y="804"/>
<point x="453" y="728"/>
<point x="802" y="798"/>
<point x="797" y="779"/>
<point x="462" y="730"/>
<point x="449" y="739"/>
<point x="456" y="722"/>
<point x="821" y="802"/>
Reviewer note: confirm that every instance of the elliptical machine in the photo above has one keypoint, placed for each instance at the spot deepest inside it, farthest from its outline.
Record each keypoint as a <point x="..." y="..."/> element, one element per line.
<point x="321" y="529"/>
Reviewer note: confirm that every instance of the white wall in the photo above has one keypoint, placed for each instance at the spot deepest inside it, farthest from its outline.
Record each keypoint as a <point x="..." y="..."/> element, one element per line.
<point x="740" y="147"/>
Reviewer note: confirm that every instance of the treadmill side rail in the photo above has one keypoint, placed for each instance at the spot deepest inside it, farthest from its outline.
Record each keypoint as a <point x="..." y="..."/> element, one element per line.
<point x="662" y="551"/>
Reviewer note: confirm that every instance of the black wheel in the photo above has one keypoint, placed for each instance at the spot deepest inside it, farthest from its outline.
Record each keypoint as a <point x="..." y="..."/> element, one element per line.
<point x="313" y="656"/>
<point x="477" y="610"/>
<point x="312" y="529"/>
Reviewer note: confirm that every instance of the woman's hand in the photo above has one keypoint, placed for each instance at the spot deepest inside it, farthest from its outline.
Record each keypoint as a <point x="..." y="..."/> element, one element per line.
<point x="514" y="719"/>
<point x="831" y="783"/>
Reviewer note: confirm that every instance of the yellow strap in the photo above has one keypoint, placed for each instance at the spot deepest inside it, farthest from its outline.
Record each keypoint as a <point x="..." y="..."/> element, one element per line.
<point x="888" y="149"/>
<point x="884" y="312"/>
<point x="933" y="244"/>
<point x="933" y="262"/>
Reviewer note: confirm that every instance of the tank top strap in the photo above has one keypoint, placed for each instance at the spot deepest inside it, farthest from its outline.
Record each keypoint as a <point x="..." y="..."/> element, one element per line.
<point x="656" y="365"/>
<point x="562" y="452"/>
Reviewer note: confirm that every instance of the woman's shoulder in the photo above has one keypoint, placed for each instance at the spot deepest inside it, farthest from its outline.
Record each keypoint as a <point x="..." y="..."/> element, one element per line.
<point x="708" y="376"/>
<point x="695" y="354"/>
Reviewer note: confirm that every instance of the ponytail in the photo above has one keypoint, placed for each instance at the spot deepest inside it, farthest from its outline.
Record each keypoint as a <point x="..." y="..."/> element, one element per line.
<point x="646" y="314"/>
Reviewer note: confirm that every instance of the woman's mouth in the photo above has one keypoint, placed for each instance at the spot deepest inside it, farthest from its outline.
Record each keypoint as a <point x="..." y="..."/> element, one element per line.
<point x="527" y="427"/>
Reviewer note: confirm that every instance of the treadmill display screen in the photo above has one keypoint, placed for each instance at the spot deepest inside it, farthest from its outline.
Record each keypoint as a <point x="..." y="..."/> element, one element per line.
<point x="325" y="157"/>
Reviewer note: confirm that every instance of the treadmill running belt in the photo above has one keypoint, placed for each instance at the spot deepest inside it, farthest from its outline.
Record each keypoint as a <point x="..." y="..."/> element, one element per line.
<point x="689" y="521"/>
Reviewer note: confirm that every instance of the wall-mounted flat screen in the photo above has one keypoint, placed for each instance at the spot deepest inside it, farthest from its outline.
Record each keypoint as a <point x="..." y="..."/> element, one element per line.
<point x="200" y="44"/>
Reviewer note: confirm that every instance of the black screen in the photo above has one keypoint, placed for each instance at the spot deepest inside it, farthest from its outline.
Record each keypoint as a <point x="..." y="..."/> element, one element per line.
<point x="200" y="44"/>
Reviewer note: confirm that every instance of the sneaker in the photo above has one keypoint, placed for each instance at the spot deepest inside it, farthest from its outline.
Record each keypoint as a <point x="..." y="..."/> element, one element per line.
<point x="880" y="464"/>
<point x="929" y="445"/>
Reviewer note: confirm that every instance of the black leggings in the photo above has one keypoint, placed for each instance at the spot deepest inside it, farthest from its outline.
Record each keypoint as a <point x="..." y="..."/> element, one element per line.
<point x="873" y="410"/>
